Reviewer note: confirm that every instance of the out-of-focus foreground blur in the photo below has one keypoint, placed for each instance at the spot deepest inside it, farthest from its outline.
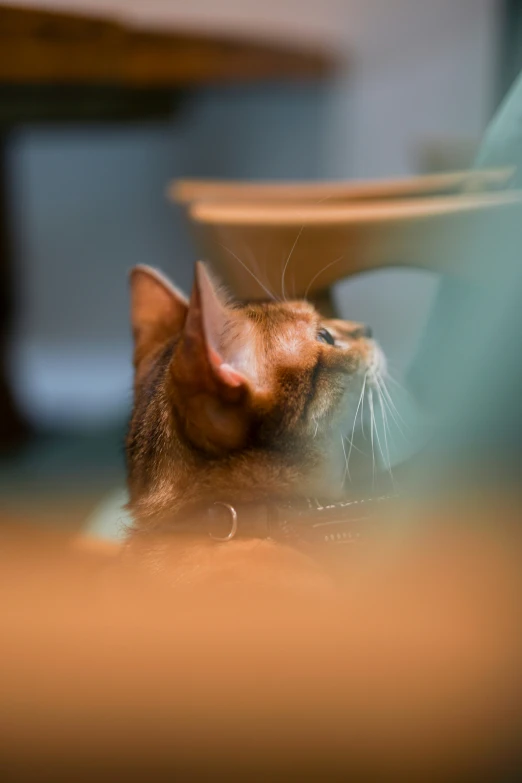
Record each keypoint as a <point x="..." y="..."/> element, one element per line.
<point x="105" y="104"/>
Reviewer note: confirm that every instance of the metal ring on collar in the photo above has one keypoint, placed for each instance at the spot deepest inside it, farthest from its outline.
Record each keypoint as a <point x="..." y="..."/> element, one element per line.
<point x="234" y="524"/>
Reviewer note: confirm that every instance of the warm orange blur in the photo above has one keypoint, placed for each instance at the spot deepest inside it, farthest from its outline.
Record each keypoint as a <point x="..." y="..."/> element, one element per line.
<point x="403" y="659"/>
<point x="412" y="667"/>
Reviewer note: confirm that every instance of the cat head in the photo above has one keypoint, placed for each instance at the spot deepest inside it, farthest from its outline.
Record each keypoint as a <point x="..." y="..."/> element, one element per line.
<point x="236" y="400"/>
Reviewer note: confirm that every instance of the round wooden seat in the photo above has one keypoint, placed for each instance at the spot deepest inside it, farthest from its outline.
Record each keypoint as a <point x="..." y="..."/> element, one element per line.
<point x="299" y="249"/>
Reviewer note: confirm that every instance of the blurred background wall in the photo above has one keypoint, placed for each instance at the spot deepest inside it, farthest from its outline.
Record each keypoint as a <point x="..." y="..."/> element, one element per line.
<point x="91" y="203"/>
<point x="415" y="94"/>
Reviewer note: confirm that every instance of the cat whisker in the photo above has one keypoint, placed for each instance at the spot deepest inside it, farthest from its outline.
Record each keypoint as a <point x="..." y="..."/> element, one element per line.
<point x="385" y="428"/>
<point x="385" y="417"/>
<point x="387" y="394"/>
<point x="388" y="466"/>
<point x="346" y="468"/>
<point x="389" y="377"/>
<point x="372" y="427"/>
<point x="363" y="433"/>
<point x="361" y="398"/>
<point x="391" y="412"/>
<point x="255" y="263"/>
<point x="400" y="386"/>
<point x="320" y="272"/>
<point x="395" y="421"/>
<point x="352" y="445"/>
<point x="285" y="267"/>
<point x="258" y="281"/>
<point x="394" y="372"/>
<point x="294" y="287"/>
<point x="283" y="292"/>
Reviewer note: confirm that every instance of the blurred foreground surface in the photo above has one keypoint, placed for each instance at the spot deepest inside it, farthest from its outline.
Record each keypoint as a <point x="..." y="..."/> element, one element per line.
<point x="411" y="670"/>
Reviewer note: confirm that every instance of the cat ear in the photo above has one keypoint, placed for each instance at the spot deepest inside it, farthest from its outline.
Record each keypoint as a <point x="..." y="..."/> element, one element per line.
<point x="212" y="394"/>
<point x="200" y="360"/>
<point x="158" y="310"/>
<point x="207" y="319"/>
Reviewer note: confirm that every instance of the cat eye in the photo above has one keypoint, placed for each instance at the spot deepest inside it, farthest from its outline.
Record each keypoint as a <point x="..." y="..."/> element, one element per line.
<point x="324" y="336"/>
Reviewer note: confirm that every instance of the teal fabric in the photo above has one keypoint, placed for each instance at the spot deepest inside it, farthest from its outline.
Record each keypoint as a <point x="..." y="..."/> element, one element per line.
<point x="469" y="364"/>
<point x="502" y="143"/>
<point x="501" y="146"/>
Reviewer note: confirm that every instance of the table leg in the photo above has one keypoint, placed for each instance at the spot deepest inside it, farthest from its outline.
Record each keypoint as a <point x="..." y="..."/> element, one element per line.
<point x="13" y="427"/>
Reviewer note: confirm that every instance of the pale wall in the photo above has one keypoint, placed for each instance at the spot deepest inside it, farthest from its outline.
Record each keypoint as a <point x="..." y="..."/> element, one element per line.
<point x="90" y="202"/>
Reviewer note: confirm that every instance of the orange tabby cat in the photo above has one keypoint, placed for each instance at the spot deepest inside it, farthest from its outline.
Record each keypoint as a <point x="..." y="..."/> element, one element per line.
<point x="237" y="403"/>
